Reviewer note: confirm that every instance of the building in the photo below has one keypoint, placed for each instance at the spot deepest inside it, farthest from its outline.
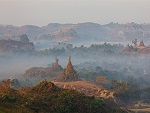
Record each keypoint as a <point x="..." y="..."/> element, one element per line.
<point x="141" y="45"/>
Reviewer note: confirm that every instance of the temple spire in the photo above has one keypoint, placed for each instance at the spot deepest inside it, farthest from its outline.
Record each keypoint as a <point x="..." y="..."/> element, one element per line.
<point x="141" y="43"/>
<point x="56" y="62"/>
<point x="56" y="65"/>
<point x="69" y="74"/>
<point x="69" y="67"/>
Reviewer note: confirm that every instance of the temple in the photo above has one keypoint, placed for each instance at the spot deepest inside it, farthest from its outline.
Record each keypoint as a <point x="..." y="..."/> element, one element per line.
<point x="69" y="74"/>
<point x="56" y="65"/>
<point x="141" y="45"/>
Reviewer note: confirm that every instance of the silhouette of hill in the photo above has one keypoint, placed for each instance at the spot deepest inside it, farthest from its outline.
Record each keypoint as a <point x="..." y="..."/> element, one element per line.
<point x="79" y="32"/>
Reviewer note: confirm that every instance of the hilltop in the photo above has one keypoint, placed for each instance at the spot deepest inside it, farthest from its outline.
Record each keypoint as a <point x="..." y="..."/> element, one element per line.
<point x="86" y="87"/>
<point x="46" y="97"/>
<point x="85" y="32"/>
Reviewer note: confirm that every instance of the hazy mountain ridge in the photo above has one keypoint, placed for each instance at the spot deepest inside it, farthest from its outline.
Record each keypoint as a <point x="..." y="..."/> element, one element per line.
<point x="81" y="31"/>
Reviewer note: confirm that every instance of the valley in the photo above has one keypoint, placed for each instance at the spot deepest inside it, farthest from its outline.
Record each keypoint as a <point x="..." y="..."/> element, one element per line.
<point x="114" y="73"/>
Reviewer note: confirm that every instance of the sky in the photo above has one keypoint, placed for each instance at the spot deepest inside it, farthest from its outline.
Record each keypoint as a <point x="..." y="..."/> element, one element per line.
<point x="43" y="12"/>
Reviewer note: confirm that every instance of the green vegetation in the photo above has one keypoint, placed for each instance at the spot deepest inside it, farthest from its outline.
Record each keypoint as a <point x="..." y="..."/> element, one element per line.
<point x="99" y="75"/>
<point x="48" y="98"/>
<point x="95" y="50"/>
<point x="14" y="47"/>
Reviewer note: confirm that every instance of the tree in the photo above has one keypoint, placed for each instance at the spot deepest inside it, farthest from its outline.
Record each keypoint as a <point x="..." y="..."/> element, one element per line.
<point x="98" y="68"/>
<point x="24" y="38"/>
<point x="15" y="83"/>
<point x="134" y="42"/>
<point x="69" y="46"/>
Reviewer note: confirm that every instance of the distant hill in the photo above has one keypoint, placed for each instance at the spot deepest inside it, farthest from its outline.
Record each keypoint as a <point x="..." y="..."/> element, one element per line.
<point x="81" y="32"/>
<point x="15" y="46"/>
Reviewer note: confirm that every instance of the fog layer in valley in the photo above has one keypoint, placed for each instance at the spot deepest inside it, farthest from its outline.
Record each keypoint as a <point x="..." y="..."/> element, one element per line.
<point x="17" y="65"/>
<point x="14" y="66"/>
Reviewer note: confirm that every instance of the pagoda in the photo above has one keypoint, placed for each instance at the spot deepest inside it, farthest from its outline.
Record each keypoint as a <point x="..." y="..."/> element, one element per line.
<point x="69" y="74"/>
<point x="56" y="65"/>
<point x="141" y="45"/>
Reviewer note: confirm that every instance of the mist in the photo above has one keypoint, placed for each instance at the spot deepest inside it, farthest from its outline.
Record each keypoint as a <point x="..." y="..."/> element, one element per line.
<point x="16" y="65"/>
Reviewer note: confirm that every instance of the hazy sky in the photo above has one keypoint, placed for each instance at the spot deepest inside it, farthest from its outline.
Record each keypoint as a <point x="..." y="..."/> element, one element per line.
<point x="42" y="12"/>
